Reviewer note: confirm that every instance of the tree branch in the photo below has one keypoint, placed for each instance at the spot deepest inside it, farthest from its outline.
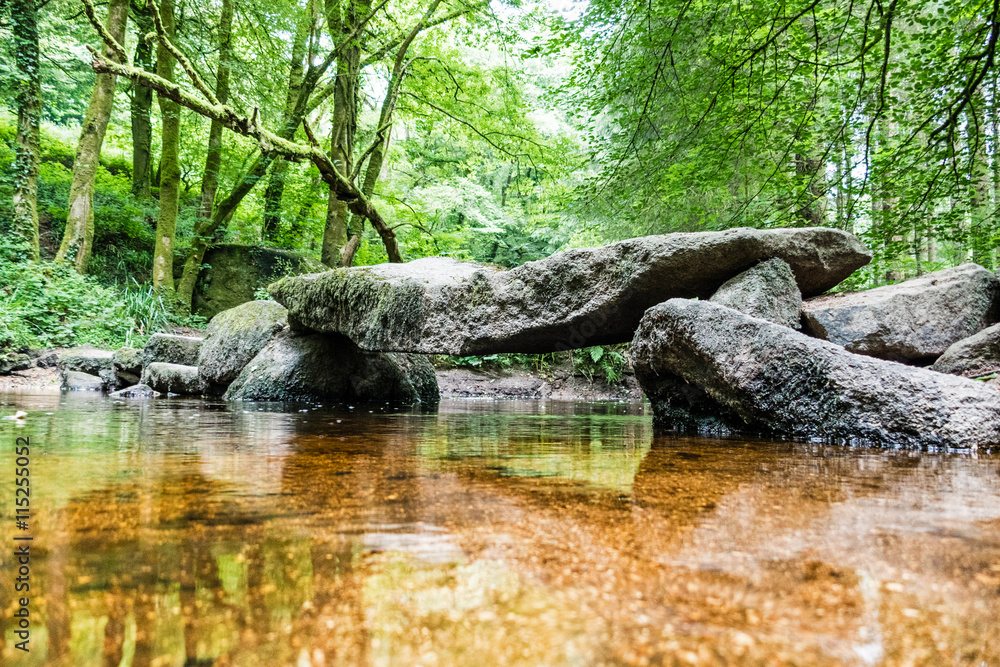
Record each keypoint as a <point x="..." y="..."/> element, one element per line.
<point x="161" y="34"/>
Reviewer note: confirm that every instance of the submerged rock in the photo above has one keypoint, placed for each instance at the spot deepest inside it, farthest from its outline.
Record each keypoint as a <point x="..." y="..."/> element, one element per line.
<point x="319" y="367"/>
<point x="79" y="381"/>
<point x="91" y="361"/>
<point x="577" y="298"/>
<point x="749" y="375"/>
<point x="767" y="291"/>
<point x="136" y="391"/>
<point x="171" y="349"/>
<point x="972" y="357"/>
<point x="914" y="321"/>
<point x="235" y="336"/>
<point x="173" y="378"/>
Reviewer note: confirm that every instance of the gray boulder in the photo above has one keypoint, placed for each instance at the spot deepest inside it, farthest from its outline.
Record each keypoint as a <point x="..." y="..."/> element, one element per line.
<point x="914" y="321"/>
<point x="321" y="367"/>
<point x="78" y="381"/>
<point x="173" y="378"/>
<point x="768" y="291"/>
<point x="47" y="359"/>
<point x="171" y="349"/>
<point x="972" y="357"/>
<point x="235" y="336"/>
<point x="749" y="375"/>
<point x="232" y="273"/>
<point x="11" y="362"/>
<point x="573" y="299"/>
<point x="127" y="362"/>
<point x="91" y="361"/>
<point x="136" y="391"/>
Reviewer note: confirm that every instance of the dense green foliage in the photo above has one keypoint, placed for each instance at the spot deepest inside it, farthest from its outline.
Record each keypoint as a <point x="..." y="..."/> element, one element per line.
<point x="526" y="127"/>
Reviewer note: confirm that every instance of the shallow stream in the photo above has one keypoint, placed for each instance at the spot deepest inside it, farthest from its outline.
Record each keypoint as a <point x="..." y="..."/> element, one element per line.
<point x="180" y="531"/>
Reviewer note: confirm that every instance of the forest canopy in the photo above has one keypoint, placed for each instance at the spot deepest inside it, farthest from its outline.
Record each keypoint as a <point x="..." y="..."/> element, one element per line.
<point x="138" y="134"/>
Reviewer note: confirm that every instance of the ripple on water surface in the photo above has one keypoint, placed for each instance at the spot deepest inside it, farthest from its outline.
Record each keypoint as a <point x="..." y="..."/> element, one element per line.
<point x="179" y="531"/>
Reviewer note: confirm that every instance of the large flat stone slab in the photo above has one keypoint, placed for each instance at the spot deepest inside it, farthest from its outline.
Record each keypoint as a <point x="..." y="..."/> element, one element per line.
<point x="577" y="298"/>
<point x="913" y="321"/>
<point x="709" y="367"/>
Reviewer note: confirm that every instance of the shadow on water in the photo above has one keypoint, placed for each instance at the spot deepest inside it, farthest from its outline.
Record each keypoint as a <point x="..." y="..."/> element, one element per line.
<point x="184" y="532"/>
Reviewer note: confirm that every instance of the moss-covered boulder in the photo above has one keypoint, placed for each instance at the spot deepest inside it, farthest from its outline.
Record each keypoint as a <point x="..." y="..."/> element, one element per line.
<point x="127" y="362"/>
<point x="173" y="378"/>
<point x="89" y="360"/>
<point x="329" y="367"/>
<point x="573" y="299"/>
<point x="234" y="338"/>
<point x="233" y="273"/>
<point x="171" y="349"/>
<point x="78" y="381"/>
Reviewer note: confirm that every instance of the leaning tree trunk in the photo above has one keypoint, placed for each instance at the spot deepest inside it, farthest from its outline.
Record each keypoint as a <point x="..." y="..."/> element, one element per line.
<point x="78" y="238"/>
<point x="210" y="181"/>
<point x="141" y="109"/>
<point x="24" y="19"/>
<point x="170" y="173"/>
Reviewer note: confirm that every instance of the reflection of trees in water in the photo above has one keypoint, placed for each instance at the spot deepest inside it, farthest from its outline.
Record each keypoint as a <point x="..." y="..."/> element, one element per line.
<point x="188" y="559"/>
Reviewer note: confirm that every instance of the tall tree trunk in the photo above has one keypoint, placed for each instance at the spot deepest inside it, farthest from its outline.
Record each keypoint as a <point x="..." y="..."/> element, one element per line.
<point x="170" y="173"/>
<point x="210" y="181"/>
<point x="224" y="209"/>
<point x="342" y="137"/>
<point x="383" y="133"/>
<point x="141" y="108"/>
<point x="980" y="231"/>
<point x="24" y="19"/>
<point x="78" y="238"/>
<point x="276" y="181"/>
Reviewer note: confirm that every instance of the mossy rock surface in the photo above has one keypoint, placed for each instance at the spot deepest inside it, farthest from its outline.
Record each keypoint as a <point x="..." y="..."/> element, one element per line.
<point x="329" y="367"/>
<point x="173" y="378"/>
<point x="234" y="337"/>
<point x="171" y="349"/>
<point x="235" y="272"/>
<point x="573" y="299"/>
<point x="91" y="361"/>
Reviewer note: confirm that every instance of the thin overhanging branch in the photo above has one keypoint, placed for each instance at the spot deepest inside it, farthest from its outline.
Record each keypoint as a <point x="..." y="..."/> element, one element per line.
<point x="112" y="43"/>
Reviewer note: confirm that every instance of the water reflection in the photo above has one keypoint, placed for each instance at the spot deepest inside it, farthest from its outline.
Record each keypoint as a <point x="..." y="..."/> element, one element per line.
<point x="181" y="532"/>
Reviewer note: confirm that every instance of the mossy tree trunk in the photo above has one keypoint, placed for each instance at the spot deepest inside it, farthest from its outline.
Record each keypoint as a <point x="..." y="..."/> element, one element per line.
<point x="170" y="173"/>
<point x="376" y="158"/>
<point x="141" y="108"/>
<point x="210" y="182"/>
<point x="28" y="100"/>
<point x="78" y="238"/>
<point x="342" y="137"/>
<point x="279" y="169"/>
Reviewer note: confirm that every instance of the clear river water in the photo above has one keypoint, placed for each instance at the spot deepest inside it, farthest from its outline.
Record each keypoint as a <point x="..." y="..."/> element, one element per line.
<point x="189" y="532"/>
